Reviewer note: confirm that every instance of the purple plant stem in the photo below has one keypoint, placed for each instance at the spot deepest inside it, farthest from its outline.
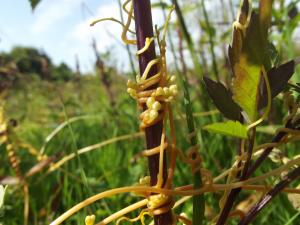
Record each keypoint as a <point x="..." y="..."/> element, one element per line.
<point x="144" y="29"/>
<point x="234" y="193"/>
<point x="269" y="196"/>
<point x="267" y="151"/>
<point x="243" y="176"/>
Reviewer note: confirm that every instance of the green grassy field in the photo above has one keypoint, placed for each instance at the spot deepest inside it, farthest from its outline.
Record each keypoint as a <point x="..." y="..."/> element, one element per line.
<point x="41" y="106"/>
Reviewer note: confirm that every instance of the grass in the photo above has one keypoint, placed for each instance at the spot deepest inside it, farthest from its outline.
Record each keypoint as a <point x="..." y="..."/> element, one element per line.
<point x="48" y="105"/>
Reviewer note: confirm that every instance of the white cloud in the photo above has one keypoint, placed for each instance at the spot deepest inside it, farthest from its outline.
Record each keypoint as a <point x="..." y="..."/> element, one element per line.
<point x="101" y="31"/>
<point x="75" y="39"/>
<point x="51" y="12"/>
<point x="107" y="35"/>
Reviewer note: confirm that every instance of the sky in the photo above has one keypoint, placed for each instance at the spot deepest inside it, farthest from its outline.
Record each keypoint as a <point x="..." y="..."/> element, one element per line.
<point x="61" y="29"/>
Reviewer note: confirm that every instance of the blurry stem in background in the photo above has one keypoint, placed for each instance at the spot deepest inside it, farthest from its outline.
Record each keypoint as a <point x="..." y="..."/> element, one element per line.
<point x="184" y="66"/>
<point x="104" y="76"/>
<point x="234" y="193"/>
<point x="171" y="41"/>
<point x="195" y="59"/>
<point x="198" y="200"/>
<point x="144" y="29"/>
<point x="203" y="58"/>
<point x="231" y="6"/>
<point x="187" y="37"/>
<point x="80" y="167"/>
<point x="225" y="45"/>
<point x="269" y="196"/>
<point x="127" y="46"/>
<point x="224" y="11"/>
<point x="224" y="215"/>
<point x="211" y="41"/>
<point x="77" y="65"/>
<point x="282" y="5"/>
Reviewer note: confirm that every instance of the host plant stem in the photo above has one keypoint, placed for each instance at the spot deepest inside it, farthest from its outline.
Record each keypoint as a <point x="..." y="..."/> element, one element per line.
<point x="144" y="29"/>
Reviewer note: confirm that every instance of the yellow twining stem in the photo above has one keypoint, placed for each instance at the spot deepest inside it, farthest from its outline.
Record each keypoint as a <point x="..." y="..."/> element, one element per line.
<point x="140" y="217"/>
<point x="161" y="159"/>
<point x="184" y="219"/>
<point x="237" y="24"/>
<point x="178" y="191"/>
<point x="149" y="66"/>
<point x="173" y="154"/>
<point x="90" y="148"/>
<point x="123" y="212"/>
<point x="111" y="19"/>
<point x="26" y="203"/>
<point x="124" y="6"/>
<point x="157" y="108"/>
<point x="125" y="26"/>
<point x="147" y="45"/>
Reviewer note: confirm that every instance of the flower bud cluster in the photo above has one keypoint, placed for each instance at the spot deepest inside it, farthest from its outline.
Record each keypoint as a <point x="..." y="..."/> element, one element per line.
<point x="156" y="201"/>
<point x="154" y="102"/>
<point x="145" y="181"/>
<point x="132" y="89"/>
<point x="90" y="220"/>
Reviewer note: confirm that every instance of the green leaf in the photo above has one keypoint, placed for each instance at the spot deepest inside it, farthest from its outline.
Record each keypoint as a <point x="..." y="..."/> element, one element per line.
<point x="34" y="3"/>
<point x="2" y="194"/>
<point x="278" y="79"/>
<point x="247" y="55"/>
<point x="230" y="128"/>
<point x="272" y="57"/>
<point x="222" y="99"/>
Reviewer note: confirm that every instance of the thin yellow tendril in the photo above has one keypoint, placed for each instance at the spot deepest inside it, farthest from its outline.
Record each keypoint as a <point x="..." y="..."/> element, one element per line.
<point x="237" y="23"/>
<point x="123" y="212"/>
<point x="111" y="19"/>
<point x="140" y="217"/>
<point x="125" y="26"/>
<point x="148" y="67"/>
<point x="91" y="148"/>
<point x="183" y="191"/>
<point x="124" y="7"/>
<point x="146" y="47"/>
<point x="161" y="159"/>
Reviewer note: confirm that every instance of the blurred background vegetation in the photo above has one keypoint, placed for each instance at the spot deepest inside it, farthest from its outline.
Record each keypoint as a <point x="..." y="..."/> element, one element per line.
<point x="39" y="96"/>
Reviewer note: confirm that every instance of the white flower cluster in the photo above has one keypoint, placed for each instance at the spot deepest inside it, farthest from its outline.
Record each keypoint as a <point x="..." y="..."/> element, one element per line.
<point x="156" y="201"/>
<point x="157" y="98"/>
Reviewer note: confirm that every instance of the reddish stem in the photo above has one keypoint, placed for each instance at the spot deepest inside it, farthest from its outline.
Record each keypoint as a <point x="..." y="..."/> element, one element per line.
<point x="144" y="29"/>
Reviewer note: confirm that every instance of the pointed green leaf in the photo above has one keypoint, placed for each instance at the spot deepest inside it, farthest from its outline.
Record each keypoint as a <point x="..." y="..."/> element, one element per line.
<point x="2" y="194"/>
<point x="247" y="55"/>
<point x="272" y="57"/>
<point x="34" y="3"/>
<point x="222" y="99"/>
<point x="278" y="79"/>
<point x="231" y="128"/>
